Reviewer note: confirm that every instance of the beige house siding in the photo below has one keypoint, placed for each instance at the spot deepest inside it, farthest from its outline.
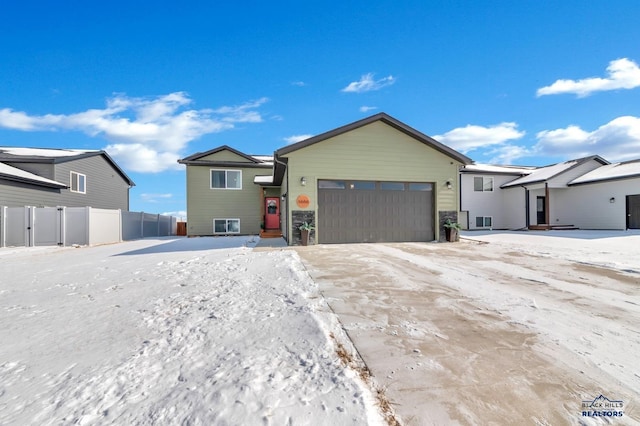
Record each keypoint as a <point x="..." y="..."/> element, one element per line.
<point x="225" y="155"/>
<point x="205" y="204"/>
<point x="377" y="152"/>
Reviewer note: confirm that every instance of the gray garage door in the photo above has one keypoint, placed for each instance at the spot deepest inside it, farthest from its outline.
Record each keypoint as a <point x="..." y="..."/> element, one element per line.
<point x="359" y="211"/>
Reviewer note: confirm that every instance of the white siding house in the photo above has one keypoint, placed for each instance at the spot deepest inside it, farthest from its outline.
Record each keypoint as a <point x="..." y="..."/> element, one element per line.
<point x="586" y="193"/>
<point x="486" y="204"/>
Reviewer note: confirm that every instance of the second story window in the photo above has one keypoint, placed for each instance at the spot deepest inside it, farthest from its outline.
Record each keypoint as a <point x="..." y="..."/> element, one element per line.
<point x="78" y="183"/>
<point x="226" y="179"/>
<point x="483" y="184"/>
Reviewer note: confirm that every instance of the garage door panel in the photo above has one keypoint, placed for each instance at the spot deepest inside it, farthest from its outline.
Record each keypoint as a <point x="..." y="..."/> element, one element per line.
<point x="352" y="215"/>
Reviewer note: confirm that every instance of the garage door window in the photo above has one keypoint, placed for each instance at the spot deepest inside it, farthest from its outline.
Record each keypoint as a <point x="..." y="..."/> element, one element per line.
<point x="392" y="186"/>
<point x="362" y="185"/>
<point x="420" y="187"/>
<point x="332" y="184"/>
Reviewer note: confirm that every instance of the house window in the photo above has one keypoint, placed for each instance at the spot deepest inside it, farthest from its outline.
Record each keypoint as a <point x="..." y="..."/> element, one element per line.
<point x="483" y="184"/>
<point x="226" y="226"/>
<point x="78" y="183"/>
<point x="226" y="179"/>
<point x="484" y="222"/>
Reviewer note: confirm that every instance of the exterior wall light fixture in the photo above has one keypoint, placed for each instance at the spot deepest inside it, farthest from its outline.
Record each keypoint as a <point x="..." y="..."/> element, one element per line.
<point x="612" y="199"/>
<point x="449" y="184"/>
<point x="303" y="181"/>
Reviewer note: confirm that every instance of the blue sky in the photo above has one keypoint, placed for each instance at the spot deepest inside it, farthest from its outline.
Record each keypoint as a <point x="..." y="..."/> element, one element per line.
<point x="506" y="82"/>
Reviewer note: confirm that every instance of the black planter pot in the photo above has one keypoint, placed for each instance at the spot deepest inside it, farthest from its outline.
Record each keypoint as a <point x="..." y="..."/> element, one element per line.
<point x="304" y="234"/>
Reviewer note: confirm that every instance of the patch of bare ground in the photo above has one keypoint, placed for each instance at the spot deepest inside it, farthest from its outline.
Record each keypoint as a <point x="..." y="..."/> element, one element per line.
<point x="357" y="364"/>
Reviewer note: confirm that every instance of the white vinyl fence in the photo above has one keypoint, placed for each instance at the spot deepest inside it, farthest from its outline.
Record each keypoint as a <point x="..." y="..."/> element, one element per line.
<point x="65" y="226"/>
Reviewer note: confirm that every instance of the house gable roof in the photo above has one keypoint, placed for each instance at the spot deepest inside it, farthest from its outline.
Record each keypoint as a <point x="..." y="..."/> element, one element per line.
<point x="55" y="156"/>
<point x="387" y="119"/>
<point x="608" y="172"/>
<point x="544" y="174"/>
<point x="8" y="172"/>
<point x="199" y="159"/>
<point x="497" y="170"/>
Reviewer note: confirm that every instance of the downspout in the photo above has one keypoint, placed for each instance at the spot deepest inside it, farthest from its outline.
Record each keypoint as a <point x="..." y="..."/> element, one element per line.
<point x="286" y="216"/>
<point x="526" y="206"/>
<point x="546" y="203"/>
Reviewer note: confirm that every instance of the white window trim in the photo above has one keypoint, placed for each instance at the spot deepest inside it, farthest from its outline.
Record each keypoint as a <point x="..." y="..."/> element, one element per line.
<point x="71" y="173"/>
<point x="226" y="188"/>
<point x="483" y="180"/>
<point x="226" y="225"/>
<point x="483" y="221"/>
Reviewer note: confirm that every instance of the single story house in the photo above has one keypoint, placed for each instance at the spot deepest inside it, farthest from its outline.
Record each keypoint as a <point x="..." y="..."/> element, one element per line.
<point x="586" y="193"/>
<point x="373" y="180"/>
<point x="62" y="177"/>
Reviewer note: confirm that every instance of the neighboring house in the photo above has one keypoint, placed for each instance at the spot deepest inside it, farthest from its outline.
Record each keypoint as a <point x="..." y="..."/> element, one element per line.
<point x="376" y="179"/>
<point x="587" y="193"/>
<point x="62" y="177"/>
<point x="485" y="205"/>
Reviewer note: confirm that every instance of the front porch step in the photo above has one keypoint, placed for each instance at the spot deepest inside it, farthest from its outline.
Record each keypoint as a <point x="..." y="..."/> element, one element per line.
<point x="270" y="233"/>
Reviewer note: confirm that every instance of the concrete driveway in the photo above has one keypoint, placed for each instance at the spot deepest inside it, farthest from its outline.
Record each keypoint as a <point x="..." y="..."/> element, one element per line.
<point x="484" y="333"/>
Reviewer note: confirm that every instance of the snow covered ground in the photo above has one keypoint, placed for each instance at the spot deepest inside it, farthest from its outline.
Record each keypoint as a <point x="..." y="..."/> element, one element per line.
<point x="171" y="331"/>
<point x="501" y="328"/>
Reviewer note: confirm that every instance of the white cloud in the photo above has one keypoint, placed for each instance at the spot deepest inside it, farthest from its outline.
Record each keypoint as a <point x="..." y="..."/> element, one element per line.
<point x="622" y="74"/>
<point x="506" y="154"/>
<point x="243" y="113"/>
<point x="367" y="84"/>
<point x="299" y="83"/>
<point x="471" y="137"/>
<point x="296" y="138"/>
<point x="146" y="134"/>
<point x="180" y="214"/>
<point x="618" y="140"/>
<point x="153" y="198"/>
<point x="365" y="108"/>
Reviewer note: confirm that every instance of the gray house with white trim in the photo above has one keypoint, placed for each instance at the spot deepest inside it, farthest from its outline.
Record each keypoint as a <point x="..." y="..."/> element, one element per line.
<point x="62" y="177"/>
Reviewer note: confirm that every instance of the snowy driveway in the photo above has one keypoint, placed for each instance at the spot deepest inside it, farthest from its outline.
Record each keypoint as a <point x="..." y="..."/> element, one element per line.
<point x="501" y="328"/>
<point x="198" y="331"/>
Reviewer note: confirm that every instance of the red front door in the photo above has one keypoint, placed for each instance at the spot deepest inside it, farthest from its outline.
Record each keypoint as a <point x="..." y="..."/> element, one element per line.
<point x="272" y="213"/>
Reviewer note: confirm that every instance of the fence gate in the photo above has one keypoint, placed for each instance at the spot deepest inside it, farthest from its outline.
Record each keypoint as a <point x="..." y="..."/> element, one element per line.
<point x="47" y="228"/>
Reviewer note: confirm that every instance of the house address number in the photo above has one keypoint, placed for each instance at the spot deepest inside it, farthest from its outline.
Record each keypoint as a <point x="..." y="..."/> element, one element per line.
<point x="303" y="201"/>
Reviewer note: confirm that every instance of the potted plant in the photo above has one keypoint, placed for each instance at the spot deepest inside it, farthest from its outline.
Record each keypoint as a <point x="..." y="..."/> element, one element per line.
<point x="305" y="230"/>
<point x="451" y="230"/>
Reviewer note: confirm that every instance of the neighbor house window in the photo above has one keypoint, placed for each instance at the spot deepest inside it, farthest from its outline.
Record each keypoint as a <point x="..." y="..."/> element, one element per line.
<point x="483" y="184"/>
<point x="78" y="183"/>
<point x="226" y="179"/>
<point x="226" y="226"/>
<point x="484" y="222"/>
